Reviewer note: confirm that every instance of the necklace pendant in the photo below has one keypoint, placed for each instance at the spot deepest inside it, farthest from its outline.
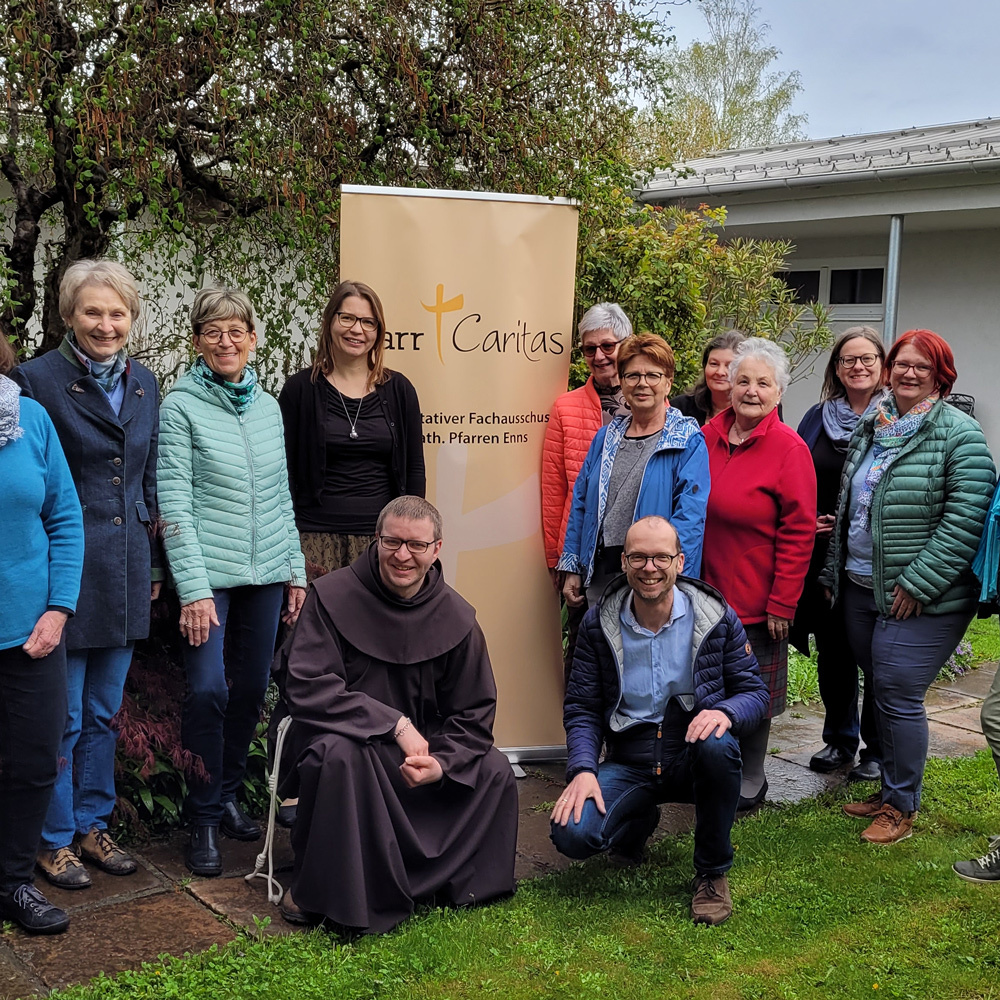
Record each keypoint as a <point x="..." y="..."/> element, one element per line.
<point x="354" y="434"/>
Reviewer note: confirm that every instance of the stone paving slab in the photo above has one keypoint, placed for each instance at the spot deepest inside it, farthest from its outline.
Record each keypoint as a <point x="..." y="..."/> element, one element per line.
<point x="240" y="901"/>
<point x="953" y="741"/>
<point x="113" y="938"/>
<point x="963" y="718"/>
<point x="15" y="980"/>
<point x="104" y="889"/>
<point x="940" y="698"/>
<point x="976" y="682"/>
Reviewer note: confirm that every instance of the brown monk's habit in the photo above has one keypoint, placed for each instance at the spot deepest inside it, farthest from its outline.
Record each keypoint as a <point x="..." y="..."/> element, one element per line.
<point x="366" y="845"/>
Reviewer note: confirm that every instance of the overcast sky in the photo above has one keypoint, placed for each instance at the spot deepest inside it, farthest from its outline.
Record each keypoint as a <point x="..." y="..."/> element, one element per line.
<point x="876" y="65"/>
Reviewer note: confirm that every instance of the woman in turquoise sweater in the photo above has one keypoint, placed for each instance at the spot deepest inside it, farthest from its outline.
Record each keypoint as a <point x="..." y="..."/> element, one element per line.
<point x="914" y="494"/>
<point x="41" y="559"/>
<point x="234" y="557"/>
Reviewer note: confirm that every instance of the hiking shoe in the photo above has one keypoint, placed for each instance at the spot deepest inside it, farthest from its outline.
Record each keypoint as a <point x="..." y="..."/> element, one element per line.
<point x="889" y="825"/>
<point x="31" y="911"/>
<point x="99" y="849"/>
<point x="984" y="869"/>
<point x="711" y="902"/>
<point x="63" y="868"/>
<point x="863" y="810"/>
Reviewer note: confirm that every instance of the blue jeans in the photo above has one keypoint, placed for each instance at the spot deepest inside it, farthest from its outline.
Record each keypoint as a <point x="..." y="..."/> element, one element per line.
<point x="900" y="659"/>
<point x="84" y="792"/>
<point x="220" y="715"/>
<point x="707" y="773"/>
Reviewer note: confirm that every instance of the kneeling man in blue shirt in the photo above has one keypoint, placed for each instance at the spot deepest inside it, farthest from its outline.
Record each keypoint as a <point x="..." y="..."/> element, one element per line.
<point x="664" y="676"/>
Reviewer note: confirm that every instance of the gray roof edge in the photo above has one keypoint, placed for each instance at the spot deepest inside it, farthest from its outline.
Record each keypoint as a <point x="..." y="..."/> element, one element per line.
<point x="658" y="194"/>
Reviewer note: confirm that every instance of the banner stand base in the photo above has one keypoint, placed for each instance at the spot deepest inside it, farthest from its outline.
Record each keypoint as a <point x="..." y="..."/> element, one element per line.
<point x="526" y="755"/>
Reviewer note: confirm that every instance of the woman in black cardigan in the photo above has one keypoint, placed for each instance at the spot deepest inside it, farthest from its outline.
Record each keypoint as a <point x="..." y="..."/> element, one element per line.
<point x="353" y="433"/>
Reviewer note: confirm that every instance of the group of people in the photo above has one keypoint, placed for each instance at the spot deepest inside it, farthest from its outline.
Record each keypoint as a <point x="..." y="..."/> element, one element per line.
<point x="860" y="529"/>
<point x="691" y="538"/>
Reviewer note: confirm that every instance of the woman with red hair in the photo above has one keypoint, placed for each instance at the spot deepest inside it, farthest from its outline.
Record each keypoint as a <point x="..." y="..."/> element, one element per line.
<point x="914" y="494"/>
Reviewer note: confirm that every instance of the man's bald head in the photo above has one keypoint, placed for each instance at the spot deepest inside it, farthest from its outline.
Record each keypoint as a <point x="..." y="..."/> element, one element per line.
<point x="657" y="527"/>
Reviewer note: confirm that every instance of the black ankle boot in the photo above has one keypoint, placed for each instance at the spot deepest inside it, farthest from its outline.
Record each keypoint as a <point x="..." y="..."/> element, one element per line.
<point x="237" y="824"/>
<point x="202" y="856"/>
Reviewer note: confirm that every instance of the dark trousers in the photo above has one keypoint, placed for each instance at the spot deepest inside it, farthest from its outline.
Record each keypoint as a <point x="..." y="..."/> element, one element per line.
<point x="32" y="717"/>
<point x="837" y="668"/>
<point x="221" y="712"/>
<point x="900" y="659"/>
<point x="707" y="773"/>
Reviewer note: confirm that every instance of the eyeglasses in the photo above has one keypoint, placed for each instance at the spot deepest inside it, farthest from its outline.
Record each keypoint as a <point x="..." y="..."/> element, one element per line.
<point x="607" y="348"/>
<point x="652" y="378"/>
<point x="368" y="323"/>
<point x="415" y="545"/>
<point x="214" y="336"/>
<point x="849" y="360"/>
<point x="901" y="368"/>
<point x="661" y="560"/>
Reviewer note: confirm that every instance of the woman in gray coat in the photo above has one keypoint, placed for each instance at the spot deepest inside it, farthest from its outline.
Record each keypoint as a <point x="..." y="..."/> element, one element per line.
<point x="105" y="409"/>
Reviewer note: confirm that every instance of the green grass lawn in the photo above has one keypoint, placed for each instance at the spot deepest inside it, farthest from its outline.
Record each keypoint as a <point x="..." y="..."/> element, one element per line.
<point x="817" y="914"/>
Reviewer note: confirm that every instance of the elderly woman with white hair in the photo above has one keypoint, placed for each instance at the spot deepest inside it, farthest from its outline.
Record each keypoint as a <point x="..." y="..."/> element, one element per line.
<point x="760" y="526"/>
<point x="104" y="405"/>
<point x="575" y="418"/>
<point x="234" y="557"/>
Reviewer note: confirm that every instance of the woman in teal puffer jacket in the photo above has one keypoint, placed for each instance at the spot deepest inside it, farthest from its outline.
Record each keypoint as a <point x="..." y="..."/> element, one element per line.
<point x="234" y="556"/>
<point x="914" y="494"/>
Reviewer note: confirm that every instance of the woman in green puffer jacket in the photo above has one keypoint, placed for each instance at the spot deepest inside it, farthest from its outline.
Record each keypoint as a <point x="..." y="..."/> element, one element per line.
<point x="914" y="494"/>
<point x="234" y="556"/>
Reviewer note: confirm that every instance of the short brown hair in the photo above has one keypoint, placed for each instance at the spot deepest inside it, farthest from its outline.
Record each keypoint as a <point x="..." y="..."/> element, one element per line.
<point x="649" y="345"/>
<point x="323" y="362"/>
<point x="411" y="508"/>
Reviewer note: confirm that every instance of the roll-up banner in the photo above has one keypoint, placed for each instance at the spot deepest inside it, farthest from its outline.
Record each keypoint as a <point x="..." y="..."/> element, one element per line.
<point x="478" y="298"/>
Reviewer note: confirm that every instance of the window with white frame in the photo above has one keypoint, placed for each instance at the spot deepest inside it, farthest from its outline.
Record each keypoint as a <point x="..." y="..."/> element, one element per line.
<point x="852" y="287"/>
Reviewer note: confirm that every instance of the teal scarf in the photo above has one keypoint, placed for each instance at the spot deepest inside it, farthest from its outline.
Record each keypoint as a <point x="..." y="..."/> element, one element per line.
<point x="241" y="394"/>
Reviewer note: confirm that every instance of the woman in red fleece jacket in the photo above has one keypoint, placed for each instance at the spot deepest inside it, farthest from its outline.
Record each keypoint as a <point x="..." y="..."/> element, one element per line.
<point x="760" y="526"/>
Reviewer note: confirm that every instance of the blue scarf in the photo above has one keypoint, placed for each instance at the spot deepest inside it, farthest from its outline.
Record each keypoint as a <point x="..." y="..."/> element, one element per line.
<point x="839" y="420"/>
<point x="106" y="373"/>
<point x="241" y="394"/>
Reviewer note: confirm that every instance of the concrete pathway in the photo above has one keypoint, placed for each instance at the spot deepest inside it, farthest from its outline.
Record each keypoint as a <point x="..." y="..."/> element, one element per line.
<point x="119" y="923"/>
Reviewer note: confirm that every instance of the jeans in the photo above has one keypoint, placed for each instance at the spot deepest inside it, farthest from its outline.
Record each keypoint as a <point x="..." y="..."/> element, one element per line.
<point x="219" y="718"/>
<point x="900" y="659"/>
<point x="837" y="668"/>
<point x="32" y="719"/>
<point x="84" y="793"/>
<point x="706" y="773"/>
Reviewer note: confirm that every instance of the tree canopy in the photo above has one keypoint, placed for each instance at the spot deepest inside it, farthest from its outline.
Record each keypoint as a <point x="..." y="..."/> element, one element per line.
<point x="211" y="137"/>
<point x="725" y="93"/>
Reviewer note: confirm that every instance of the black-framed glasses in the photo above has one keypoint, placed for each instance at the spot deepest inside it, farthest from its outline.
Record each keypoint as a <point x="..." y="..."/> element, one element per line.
<point x="346" y="320"/>
<point x="850" y="360"/>
<point x="901" y="368"/>
<point x="236" y="336"/>
<point x="606" y="347"/>
<point x="652" y="378"/>
<point x="662" y="560"/>
<point x="415" y="545"/>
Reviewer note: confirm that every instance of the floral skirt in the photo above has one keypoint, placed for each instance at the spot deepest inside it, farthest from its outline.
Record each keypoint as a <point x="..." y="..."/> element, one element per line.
<point x="325" y="551"/>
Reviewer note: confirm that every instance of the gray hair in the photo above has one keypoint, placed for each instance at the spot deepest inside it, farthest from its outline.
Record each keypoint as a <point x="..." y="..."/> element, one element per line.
<point x="97" y="271"/>
<point x="759" y="349"/>
<point x="411" y="508"/>
<point x="606" y="316"/>
<point x="221" y="303"/>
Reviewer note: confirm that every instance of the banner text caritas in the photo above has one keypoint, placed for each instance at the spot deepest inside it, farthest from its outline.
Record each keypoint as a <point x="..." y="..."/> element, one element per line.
<point x="462" y="428"/>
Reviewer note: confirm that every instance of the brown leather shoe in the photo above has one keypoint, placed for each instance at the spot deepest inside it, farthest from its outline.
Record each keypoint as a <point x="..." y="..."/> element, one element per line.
<point x="62" y="867"/>
<point x="889" y="825"/>
<point x="711" y="903"/>
<point x="98" y="848"/>
<point x="293" y="913"/>
<point x="866" y="809"/>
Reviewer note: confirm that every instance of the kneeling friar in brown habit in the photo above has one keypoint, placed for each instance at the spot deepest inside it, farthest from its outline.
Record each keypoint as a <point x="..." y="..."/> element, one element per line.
<point x="402" y="796"/>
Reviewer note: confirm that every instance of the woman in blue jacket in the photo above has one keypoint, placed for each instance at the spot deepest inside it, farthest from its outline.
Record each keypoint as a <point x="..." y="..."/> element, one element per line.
<point x="41" y="556"/>
<point x="652" y="461"/>
<point x="104" y="405"/>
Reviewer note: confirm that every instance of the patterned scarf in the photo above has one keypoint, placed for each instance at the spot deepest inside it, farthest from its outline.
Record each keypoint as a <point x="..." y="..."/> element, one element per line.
<point x="106" y="373"/>
<point x="10" y="411"/>
<point x="241" y="394"/>
<point x="891" y="432"/>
